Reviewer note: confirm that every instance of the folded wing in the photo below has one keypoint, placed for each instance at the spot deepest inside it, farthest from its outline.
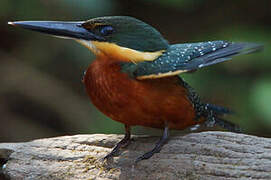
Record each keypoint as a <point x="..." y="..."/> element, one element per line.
<point x="181" y="58"/>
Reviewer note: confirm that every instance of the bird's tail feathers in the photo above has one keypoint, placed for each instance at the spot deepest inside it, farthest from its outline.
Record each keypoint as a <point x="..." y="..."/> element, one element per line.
<point x="213" y="115"/>
<point x="228" y="125"/>
<point x="218" y="110"/>
<point x="227" y="53"/>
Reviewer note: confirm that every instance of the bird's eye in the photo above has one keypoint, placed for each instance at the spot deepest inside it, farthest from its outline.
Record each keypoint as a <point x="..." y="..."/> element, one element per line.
<point x="106" y="30"/>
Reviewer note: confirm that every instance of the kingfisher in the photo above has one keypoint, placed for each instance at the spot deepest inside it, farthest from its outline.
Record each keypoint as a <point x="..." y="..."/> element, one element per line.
<point x="135" y="79"/>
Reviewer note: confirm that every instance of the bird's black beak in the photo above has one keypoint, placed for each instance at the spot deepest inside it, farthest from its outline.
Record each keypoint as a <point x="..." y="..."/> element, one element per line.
<point x="73" y="30"/>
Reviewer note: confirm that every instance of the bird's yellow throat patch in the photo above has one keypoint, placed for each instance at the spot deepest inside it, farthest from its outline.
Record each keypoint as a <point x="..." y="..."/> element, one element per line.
<point x="119" y="53"/>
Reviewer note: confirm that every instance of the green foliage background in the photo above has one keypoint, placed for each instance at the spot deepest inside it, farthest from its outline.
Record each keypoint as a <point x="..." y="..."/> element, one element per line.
<point x="41" y="94"/>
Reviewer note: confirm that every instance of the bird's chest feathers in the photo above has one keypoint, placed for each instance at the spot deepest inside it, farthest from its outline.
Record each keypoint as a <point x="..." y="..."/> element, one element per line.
<point x="135" y="102"/>
<point x="107" y="86"/>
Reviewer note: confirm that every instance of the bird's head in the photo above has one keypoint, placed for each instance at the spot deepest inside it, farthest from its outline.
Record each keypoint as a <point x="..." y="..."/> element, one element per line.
<point x="119" y="37"/>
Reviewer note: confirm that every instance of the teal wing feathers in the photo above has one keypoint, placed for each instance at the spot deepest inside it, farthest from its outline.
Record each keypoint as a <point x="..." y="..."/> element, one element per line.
<point x="180" y="58"/>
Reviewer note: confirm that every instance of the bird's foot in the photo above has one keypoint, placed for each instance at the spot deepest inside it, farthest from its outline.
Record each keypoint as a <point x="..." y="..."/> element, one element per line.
<point x="123" y="143"/>
<point x="148" y="154"/>
<point x="157" y="147"/>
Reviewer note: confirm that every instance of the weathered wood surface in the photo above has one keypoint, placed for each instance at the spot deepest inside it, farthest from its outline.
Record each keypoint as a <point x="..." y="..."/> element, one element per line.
<point x="206" y="155"/>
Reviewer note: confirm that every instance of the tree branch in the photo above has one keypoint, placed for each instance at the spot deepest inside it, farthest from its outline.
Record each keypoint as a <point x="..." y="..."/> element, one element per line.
<point x="206" y="155"/>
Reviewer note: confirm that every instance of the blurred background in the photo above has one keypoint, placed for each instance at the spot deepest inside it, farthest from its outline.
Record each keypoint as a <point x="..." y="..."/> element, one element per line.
<point x="41" y="94"/>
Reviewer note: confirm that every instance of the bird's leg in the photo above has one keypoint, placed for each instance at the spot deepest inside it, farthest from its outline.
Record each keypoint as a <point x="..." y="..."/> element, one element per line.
<point x="157" y="147"/>
<point x="123" y="143"/>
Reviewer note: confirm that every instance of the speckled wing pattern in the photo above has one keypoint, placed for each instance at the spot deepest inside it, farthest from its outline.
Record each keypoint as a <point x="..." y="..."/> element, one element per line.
<point x="186" y="57"/>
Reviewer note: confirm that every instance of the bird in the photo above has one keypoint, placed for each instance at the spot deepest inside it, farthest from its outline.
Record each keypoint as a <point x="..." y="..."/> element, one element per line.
<point x="135" y="78"/>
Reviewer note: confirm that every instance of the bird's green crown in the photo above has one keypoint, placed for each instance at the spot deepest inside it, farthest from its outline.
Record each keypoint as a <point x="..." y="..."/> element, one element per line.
<point x="127" y="32"/>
